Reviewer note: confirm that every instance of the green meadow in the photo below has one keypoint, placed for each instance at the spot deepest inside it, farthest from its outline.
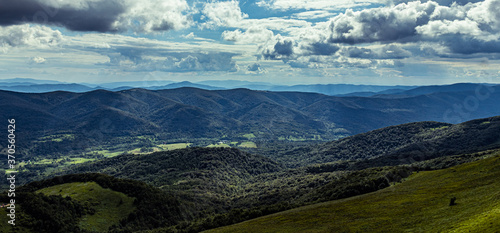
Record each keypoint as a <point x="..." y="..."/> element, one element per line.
<point x="110" y="206"/>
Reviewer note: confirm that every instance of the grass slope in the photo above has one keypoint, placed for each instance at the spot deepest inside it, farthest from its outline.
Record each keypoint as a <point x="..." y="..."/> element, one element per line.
<point x="110" y="206"/>
<point x="420" y="204"/>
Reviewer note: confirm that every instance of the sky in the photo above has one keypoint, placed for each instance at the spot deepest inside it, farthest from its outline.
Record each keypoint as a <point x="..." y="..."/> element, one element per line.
<point x="382" y="42"/>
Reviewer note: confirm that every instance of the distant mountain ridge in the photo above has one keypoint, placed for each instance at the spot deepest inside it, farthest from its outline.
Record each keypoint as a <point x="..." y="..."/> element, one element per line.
<point x="42" y="86"/>
<point x="192" y="112"/>
<point x="341" y="90"/>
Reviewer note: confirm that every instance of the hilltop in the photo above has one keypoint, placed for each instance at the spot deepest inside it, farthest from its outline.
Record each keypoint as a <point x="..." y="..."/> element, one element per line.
<point x="91" y="203"/>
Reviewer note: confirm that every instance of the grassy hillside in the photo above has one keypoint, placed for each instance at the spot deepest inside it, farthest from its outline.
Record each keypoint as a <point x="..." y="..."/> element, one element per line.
<point x="420" y="204"/>
<point x="91" y="203"/>
<point x="109" y="206"/>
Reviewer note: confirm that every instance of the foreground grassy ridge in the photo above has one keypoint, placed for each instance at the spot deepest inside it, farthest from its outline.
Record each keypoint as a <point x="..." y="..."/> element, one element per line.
<point x="110" y="206"/>
<point x="420" y="204"/>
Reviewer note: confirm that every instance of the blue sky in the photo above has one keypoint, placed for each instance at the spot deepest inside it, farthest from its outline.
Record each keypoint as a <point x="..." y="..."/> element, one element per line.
<point x="279" y="41"/>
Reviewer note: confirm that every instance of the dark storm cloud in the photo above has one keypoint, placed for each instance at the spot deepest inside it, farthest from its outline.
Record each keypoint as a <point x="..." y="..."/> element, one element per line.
<point x="98" y="15"/>
<point x="95" y="16"/>
<point x="283" y="49"/>
<point x="321" y="48"/>
<point x="470" y="45"/>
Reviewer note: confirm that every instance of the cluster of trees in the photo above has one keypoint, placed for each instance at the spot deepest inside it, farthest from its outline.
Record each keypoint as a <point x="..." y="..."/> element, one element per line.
<point x="154" y="208"/>
<point x="50" y="214"/>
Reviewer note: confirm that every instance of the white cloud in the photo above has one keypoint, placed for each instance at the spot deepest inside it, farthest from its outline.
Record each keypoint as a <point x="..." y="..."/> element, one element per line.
<point x="315" y="14"/>
<point x="36" y="60"/>
<point x="222" y="14"/>
<point x="442" y="27"/>
<point x="153" y="15"/>
<point x="254" y="34"/>
<point x="29" y="36"/>
<point x="284" y="5"/>
<point x="255" y="68"/>
<point x="380" y="24"/>
<point x="189" y="36"/>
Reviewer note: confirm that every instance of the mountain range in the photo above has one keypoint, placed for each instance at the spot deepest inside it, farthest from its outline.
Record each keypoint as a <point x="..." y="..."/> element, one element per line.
<point x="195" y="113"/>
<point x="41" y="86"/>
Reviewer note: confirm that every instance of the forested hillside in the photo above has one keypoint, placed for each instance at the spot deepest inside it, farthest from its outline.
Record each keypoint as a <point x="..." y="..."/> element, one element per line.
<point x="213" y="187"/>
<point x="104" y="118"/>
<point x="401" y="144"/>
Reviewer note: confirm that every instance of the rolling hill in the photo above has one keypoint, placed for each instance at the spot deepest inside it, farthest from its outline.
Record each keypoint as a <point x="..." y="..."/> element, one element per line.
<point x="400" y="144"/>
<point x="419" y="204"/>
<point x="90" y="203"/>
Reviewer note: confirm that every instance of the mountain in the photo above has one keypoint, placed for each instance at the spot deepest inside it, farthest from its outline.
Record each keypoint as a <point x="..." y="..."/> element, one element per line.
<point x="40" y="88"/>
<point x="400" y="144"/>
<point x="194" y="114"/>
<point x="337" y="89"/>
<point x="422" y="90"/>
<point x="327" y="89"/>
<point x="135" y="84"/>
<point x="420" y="204"/>
<point x="184" y="84"/>
<point x="232" y="84"/>
<point x="26" y="81"/>
<point x="457" y="87"/>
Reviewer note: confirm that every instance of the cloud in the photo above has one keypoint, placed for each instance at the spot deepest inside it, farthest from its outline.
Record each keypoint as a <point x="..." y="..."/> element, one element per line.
<point x="134" y="60"/>
<point x="384" y="36"/>
<point x="320" y="48"/>
<point x="37" y="60"/>
<point x="441" y="2"/>
<point x="222" y="14"/>
<point x="385" y="52"/>
<point x="443" y="27"/>
<point x="29" y="36"/>
<point x="384" y="24"/>
<point x="418" y="22"/>
<point x="316" y="14"/>
<point x="282" y="49"/>
<point x="254" y="34"/>
<point x="285" y="5"/>
<point x="97" y="15"/>
<point x="470" y="45"/>
<point x="256" y="68"/>
<point x="188" y="36"/>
